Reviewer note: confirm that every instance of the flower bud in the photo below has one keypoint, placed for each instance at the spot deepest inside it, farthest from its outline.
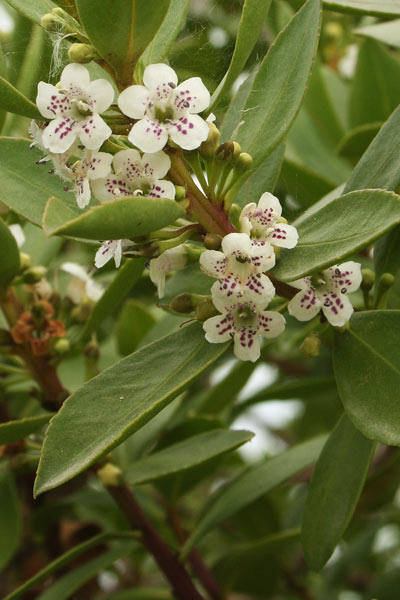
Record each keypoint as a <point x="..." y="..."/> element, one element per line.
<point x="234" y="214"/>
<point x="386" y="281"/>
<point x="62" y="346"/>
<point x="182" y="304"/>
<point x="180" y="193"/>
<point x="205" y="310"/>
<point x="229" y="151"/>
<point x="81" y="53"/>
<point x="49" y="22"/>
<point x="333" y="30"/>
<point x="212" y="241"/>
<point x="368" y="279"/>
<point x="24" y="261"/>
<point x="34" y="274"/>
<point x="244" y="162"/>
<point x="110" y="475"/>
<point x="311" y="345"/>
<point x="59" y="12"/>
<point x="209" y="147"/>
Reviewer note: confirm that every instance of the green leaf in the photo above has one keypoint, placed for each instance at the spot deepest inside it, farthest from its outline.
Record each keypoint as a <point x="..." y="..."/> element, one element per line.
<point x="223" y="395"/>
<point x="379" y="167"/>
<point x="386" y="253"/>
<point x="388" y="33"/>
<point x="253" y="16"/>
<point x="263" y="178"/>
<point x="253" y="483"/>
<point x="376" y="85"/>
<point x="10" y="263"/>
<point x="126" y="277"/>
<point x="333" y="232"/>
<point x="122" y="218"/>
<point x="134" y="322"/>
<point x="335" y="488"/>
<point x="355" y="142"/>
<point x="57" y="213"/>
<point x="280" y="84"/>
<point x="191" y="452"/>
<point x="119" y="401"/>
<point x="13" y="101"/>
<point x="303" y="183"/>
<point x="138" y="22"/>
<point x="168" y="32"/>
<point x="379" y="8"/>
<point x="233" y="113"/>
<point x="12" y="431"/>
<point x="148" y="593"/>
<point x="366" y="360"/>
<point x="10" y="518"/>
<point x="26" y="186"/>
<point x="34" y="9"/>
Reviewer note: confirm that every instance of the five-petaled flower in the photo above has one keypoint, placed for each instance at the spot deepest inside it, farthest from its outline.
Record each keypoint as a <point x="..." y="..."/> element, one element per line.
<point x="74" y="108"/>
<point x="109" y="249"/>
<point x="94" y="165"/>
<point x="240" y="268"/>
<point x="166" y="109"/>
<point x="263" y="222"/>
<point x="244" y="321"/>
<point x="327" y="292"/>
<point x="172" y="259"/>
<point x="136" y="175"/>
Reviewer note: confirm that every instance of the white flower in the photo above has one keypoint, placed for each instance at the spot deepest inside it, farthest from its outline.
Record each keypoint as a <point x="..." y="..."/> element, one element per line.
<point x="262" y="221"/>
<point x="327" y="292"/>
<point x="94" y="165"/>
<point x="74" y="108"/>
<point x="244" y="321"/>
<point x="108" y="250"/>
<point x="59" y="161"/>
<point x="240" y="266"/>
<point x="134" y="175"/>
<point x="18" y="234"/>
<point x="173" y="259"/>
<point x="166" y="109"/>
<point x="82" y="285"/>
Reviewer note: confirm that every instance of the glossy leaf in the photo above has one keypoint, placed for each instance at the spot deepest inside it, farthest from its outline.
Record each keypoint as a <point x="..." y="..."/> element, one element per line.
<point x="253" y="16"/>
<point x="12" y="431"/>
<point x="335" y="488"/>
<point x="10" y="518"/>
<point x="367" y="373"/>
<point x="10" y="263"/>
<point x="379" y="8"/>
<point x="168" y="32"/>
<point x="101" y="414"/>
<point x="334" y="232"/>
<point x="119" y="288"/>
<point x="122" y="218"/>
<point x="13" y="101"/>
<point x="121" y="47"/>
<point x="184" y="455"/>
<point x="26" y="186"/>
<point x="387" y="32"/>
<point x="253" y="483"/>
<point x="280" y="84"/>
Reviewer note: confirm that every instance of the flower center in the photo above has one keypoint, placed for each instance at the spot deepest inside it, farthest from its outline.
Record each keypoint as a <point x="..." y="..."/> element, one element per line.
<point x="164" y="114"/>
<point x="81" y="107"/>
<point x="244" y="316"/>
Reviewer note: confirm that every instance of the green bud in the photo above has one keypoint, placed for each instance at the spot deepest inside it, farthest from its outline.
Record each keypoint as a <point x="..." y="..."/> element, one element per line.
<point x="212" y="241"/>
<point x="234" y="214"/>
<point x="244" y="162"/>
<point x="110" y="475"/>
<point x="205" y="310"/>
<point x="34" y="274"/>
<point x="59" y="12"/>
<point x="333" y="30"/>
<point x="368" y="279"/>
<point x="229" y="151"/>
<point x="209" y="147"/>
<point x="81" y="53"/>
<point x="180" y="193"/>
<point x="62" y="346"/>
<point x="182" y="304"/>
<point x="50" y="22"/>
<point x="311" y="345"/>
<point x="386" y="281"/>
<point x="24" y="261"/>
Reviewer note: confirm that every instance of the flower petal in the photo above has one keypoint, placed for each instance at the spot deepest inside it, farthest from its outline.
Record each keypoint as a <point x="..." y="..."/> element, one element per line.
<point x="159" y="75"/>
<point x="189" y="132"/>
<point x="271" y="323"/>
<point x="99" y="165"/>
<point x="93" y="132"/>
<point x="149" y="136"/>
<point x="284" y="235"/>
<point x="218" y="329"/>
<point x="263" y="256"/>
<point x="162" y="189"/>
<point x="110" y="188"/>
<point x="226" y="291"/>
<point x="156" y="165"/>
<point x="270" y="206"/>
<point x="191" y="92"/>
<point x="133" y="101"/>
<point x="93" y="290"/>
<point x="50" y="102"/>
<point x="104" y="254"/>
<point x="244" y="219"/>
<point x="60" y="134"/>
<point x="337" y="308"/>
<point x="82" y="191"/>
<point x="346" y="276"/>
<point x="237" y="243"/>
<point x="259" y="289"/>
<point x="213" y="263"/>
<point x="75" y="76"/>
<point x="101" y="94"/>
<point x="247" y="344"/>
<point x="123" y="162"/>
<point x="305" y="305"/>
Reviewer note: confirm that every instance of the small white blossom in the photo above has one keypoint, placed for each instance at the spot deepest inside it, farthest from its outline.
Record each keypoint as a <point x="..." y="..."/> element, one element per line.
<point x="82" y="284"/>
<point x="166" y="109"/>
<point x="240" y="266"/>
<point x="74" y="108"/>
<point x="244" y="321"/>
<point x="135" y="174"/>
<point x="59" y="161"/>
<point x="173" y="259"/>
<point x="109" y="249"/>
<point x="262" y="221"/>
<point x="18" y="234"/>
<point x="327" y="292"/>
<point x="94" y="165"/>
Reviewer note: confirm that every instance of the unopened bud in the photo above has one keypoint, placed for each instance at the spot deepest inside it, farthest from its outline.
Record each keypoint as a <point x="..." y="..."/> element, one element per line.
<point x="34" y="274"/>
<point x="24" y="261"/>
<point x="229" y="151"/>
<point x="368" y="279"/>
<point x="212" y="241"/>
<point x="244" y="162"/>
<point x="333" y="30"/>
<point x="81" y="53"/>
<point x="62" y="346"/>
<point x="209" y="147"/>
<point x="182" y="304"/>
<point x="59" y="12"/>
<point x="311" y="345"/>
<point x="205" y="310"/>
<point x="180" y="193"/>
<point x="50" y="22"/>
<point x="234" y="214"/>
<point x="386" y="281"/>
<point x="110" y="475"/>
<point x="92" y="350"/>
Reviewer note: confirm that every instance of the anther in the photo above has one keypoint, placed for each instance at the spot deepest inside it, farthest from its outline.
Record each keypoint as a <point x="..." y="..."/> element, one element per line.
<point x="172" y="85"/>
<point x="327" y="303"/>
<point x="337" y="271"/>
<point x="185" y="104"/>
<point x="343" y="290"/>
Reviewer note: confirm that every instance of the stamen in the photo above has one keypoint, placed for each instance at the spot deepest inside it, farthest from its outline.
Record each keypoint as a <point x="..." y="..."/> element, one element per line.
<point x="337" y="271"/>
<point x="172" y="85"/>
<point x="343" y="290"/>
